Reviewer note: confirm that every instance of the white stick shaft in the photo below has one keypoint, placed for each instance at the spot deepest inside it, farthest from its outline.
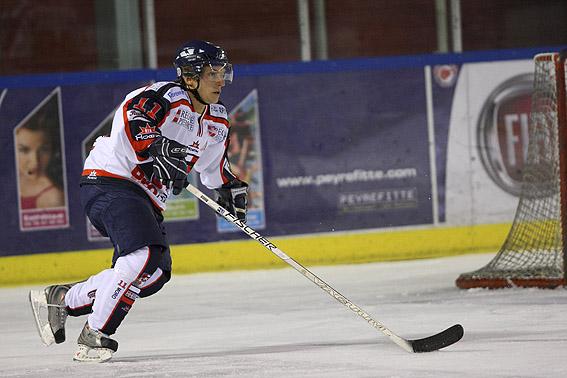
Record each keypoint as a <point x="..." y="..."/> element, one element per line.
<point x="300" y="268"/>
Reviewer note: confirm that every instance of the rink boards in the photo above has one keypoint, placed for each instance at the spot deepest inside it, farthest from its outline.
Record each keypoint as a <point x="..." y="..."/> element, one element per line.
<point x="374" y="183"/>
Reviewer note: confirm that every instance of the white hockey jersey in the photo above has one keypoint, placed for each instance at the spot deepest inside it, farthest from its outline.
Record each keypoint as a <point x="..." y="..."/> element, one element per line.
<point x="161" y="109"/>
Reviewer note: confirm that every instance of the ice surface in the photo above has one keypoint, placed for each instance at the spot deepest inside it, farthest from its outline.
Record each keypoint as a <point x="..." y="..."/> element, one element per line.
<point x="276" y="323"/>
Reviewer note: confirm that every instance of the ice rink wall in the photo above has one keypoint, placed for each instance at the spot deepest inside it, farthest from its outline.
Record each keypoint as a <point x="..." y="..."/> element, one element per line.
<point x="349" y="161"/>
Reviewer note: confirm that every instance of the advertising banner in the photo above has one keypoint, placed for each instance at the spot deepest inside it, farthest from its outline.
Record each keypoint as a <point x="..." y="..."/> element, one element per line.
<point x="488" y="141"/>
<point x="443" y="82"/>
<point x="343" y="157"/>
<point x="40" y="165"/>
<point x="323" y="151"/>
<point x="245" y="155"/>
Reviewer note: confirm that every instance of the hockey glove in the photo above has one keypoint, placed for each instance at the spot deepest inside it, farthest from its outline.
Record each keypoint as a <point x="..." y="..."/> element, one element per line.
<point x="170" y="166"/>
<point x="233" y="197"/>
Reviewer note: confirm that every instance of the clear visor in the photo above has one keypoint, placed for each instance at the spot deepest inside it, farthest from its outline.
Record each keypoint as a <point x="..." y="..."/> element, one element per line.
<point x="219" y="72"/>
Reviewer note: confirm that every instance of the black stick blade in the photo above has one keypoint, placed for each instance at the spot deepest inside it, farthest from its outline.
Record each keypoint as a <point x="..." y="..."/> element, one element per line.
<point x="441" y="340"/>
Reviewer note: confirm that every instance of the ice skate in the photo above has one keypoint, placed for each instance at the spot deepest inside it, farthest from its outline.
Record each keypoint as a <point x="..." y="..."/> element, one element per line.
<point x="48" y="307"/>
<point x="94" y="346"/>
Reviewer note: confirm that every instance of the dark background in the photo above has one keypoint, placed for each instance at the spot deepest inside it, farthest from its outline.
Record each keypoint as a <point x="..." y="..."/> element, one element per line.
<point x="63" y="35"/>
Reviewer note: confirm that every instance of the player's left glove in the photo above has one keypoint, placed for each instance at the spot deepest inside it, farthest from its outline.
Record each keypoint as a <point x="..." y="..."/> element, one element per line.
<point x="170" y="166"/>
<point x="233" y="197"/>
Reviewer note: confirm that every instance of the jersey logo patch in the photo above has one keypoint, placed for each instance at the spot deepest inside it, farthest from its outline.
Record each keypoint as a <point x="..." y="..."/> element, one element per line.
<point x="185" y="118"/>
<point x="136" y="115"/>
<point x="217" y="110"/>
<point x="175" y="94"/>
<point x="194" y="148"/>
<point x="217" y="132"/>
<point x="146" y="133"/>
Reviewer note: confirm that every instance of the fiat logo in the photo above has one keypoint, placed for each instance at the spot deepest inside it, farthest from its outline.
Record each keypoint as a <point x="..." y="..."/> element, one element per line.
<point x="502" y="132"/>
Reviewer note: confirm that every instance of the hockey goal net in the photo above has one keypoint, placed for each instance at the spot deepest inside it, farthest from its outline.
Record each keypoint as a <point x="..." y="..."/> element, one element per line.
<point x="534" y="253"/>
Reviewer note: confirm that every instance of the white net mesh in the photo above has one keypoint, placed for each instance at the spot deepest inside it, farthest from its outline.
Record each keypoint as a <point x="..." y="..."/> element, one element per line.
<point x="532" y="254"/>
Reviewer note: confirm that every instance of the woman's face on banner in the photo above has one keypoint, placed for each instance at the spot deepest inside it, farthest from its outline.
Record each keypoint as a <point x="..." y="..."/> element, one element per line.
<point x="34" y="152"/>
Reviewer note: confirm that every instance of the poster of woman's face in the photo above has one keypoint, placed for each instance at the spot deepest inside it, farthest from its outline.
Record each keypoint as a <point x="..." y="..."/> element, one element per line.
<point x="40" y="167"/>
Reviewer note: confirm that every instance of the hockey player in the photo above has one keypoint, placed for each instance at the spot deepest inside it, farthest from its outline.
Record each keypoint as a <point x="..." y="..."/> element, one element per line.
<point x="159" y="134"/>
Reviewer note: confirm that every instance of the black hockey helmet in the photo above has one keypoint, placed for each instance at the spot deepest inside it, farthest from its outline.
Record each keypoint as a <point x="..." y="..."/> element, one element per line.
<point x="192" y="57"/>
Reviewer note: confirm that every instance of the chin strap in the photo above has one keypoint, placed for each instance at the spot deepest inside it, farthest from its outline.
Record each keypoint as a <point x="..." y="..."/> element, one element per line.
<point x="195" y="91"/>
<point x="197" y="96"/>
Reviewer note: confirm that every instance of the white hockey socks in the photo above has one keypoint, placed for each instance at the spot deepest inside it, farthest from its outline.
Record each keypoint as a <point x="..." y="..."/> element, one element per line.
<point x="79" y="299"/>
<point x="115" y="294"/>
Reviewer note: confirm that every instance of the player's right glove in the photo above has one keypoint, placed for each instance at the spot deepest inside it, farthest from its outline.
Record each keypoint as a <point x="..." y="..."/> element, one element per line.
<point x="233" y="197"/>
<point x="170" y="166"/>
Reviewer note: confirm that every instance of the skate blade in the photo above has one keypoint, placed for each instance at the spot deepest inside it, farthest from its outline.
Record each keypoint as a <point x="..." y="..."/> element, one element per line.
<point x="38" y="302"/>
<point x="86" y="354"/>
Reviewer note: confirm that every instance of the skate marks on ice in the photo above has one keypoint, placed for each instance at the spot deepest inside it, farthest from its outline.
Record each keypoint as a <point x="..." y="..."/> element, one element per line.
<point x="267" y="349"/>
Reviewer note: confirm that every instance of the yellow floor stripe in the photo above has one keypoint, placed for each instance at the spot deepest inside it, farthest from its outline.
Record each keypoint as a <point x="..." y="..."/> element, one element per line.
<point x="322" y="249"/>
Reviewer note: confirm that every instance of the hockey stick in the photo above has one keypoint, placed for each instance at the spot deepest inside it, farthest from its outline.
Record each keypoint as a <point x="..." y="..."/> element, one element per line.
<point x="428" y="344"/>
